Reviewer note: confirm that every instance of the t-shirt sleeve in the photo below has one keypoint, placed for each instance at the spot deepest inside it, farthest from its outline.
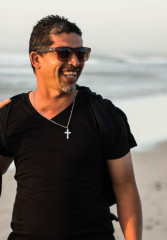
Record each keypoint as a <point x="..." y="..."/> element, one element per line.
<point x="120" y="140"/>
<point x="4" y="150"/>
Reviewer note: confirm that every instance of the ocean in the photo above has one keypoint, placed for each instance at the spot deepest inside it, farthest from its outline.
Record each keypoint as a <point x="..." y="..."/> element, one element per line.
<point x="136" y="84"/>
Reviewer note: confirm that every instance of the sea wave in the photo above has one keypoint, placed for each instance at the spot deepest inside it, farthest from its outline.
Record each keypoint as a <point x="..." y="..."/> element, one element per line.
<point x="117" y="76"/>
<point x="137" y="84"/>
<point x="12" y="61"/>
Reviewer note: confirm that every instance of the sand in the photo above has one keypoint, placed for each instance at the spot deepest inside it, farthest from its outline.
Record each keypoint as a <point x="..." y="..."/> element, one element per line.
<point x="151" y="176"/>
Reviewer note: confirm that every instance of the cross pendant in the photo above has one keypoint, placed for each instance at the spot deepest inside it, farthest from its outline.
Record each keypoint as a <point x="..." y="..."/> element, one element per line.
<point x="67" y="133"/>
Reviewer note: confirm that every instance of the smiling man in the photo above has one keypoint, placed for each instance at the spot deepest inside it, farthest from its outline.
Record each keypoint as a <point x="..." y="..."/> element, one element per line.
<point x="68" y="144"/>
<point x="64" y="62"/>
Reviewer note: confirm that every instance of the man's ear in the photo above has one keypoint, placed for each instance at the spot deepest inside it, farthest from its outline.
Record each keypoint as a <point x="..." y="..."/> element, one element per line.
<point x="35" y="59"/>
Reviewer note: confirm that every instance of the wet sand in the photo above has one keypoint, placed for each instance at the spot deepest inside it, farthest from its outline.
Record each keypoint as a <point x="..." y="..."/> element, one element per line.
<point x="151" y="176"/>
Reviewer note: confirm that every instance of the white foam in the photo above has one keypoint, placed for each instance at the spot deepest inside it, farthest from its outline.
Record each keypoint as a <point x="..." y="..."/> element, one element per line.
<point x="147" y="117"/>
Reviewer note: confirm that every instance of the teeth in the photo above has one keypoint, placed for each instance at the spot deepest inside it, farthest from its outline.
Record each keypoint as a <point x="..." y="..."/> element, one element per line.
<point x="66" y="73"/>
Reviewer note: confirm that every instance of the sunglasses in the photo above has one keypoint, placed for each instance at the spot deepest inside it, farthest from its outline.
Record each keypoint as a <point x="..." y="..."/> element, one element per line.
<point x="64" y="53"/>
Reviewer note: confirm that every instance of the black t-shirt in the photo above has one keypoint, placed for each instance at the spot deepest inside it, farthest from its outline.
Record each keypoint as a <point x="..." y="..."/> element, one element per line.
<point x="59" y="181"/>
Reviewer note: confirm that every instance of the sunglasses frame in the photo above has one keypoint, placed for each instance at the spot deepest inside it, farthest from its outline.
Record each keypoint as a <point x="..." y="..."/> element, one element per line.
<point x="73" y="50"/>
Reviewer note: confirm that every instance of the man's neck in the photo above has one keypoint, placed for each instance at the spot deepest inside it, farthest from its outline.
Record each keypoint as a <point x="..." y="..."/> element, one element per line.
<point x="49" y="105"/>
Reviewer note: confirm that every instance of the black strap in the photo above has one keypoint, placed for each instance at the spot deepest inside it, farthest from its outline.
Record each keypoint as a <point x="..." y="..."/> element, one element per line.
<point x="113" y="217"/>
<point x="99" y="107"/>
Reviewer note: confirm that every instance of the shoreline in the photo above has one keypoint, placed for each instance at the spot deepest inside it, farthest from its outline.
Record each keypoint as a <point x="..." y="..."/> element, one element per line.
<point x="151" y="178"/>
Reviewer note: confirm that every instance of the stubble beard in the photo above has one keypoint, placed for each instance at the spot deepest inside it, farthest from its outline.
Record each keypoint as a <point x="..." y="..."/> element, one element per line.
<point x="67" y="88"/>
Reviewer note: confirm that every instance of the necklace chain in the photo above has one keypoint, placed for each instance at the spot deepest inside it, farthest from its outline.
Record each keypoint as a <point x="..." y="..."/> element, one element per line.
<point x="58" y="124"/>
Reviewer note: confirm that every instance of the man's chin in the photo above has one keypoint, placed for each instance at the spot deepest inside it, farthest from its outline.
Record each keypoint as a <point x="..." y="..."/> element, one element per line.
<point x="67" y="88"/>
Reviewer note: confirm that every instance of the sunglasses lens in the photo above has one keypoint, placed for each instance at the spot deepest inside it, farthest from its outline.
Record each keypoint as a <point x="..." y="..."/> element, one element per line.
<point x="63" y="54"/>
<point x="83" y="54"/>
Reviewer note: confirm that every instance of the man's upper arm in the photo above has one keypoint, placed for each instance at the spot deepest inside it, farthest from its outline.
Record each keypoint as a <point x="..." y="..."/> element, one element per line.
<point x="121" y="172"/>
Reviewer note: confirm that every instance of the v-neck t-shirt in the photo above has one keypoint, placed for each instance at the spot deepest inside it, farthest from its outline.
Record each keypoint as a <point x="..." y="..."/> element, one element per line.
<point x="59" y="181"/>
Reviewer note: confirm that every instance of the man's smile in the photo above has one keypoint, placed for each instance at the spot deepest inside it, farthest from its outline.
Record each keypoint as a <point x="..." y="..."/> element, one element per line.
<point x="70" y="73"/>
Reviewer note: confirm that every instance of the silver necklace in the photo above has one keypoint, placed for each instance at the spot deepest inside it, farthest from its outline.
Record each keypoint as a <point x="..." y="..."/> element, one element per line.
<point x="67" y="132"/>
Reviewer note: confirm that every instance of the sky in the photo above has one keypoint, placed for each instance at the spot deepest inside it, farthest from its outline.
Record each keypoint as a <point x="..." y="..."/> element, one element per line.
<point x="108" y="26"/>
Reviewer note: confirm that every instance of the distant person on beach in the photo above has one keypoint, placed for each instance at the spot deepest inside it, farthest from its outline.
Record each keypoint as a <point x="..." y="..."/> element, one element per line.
<point x="65" y="140"/>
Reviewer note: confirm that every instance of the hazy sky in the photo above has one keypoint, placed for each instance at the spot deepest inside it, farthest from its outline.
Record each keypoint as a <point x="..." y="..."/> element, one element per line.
<point x="108" y="26"/>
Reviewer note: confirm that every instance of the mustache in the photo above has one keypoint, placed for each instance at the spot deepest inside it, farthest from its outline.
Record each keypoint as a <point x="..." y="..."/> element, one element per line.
<point x="71" y="68"/>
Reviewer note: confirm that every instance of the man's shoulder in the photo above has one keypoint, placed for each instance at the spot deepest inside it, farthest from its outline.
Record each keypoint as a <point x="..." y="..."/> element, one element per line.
<point x="18" y="99"/>
<point x="103" y="108"/>
<point x="5" y="114"/>
<point x="15" y="102"/>
<point x="95" y="97"/>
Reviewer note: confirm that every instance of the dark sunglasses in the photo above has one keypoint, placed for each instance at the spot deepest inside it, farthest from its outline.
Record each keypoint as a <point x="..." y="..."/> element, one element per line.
<point x="64" y="53"/>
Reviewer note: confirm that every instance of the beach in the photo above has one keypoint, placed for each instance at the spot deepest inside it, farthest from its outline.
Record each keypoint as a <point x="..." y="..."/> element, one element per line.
<point x="151" y="178"/>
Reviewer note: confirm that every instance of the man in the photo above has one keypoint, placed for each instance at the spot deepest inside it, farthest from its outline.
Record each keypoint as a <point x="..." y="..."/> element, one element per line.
<point x="62" y="137"/>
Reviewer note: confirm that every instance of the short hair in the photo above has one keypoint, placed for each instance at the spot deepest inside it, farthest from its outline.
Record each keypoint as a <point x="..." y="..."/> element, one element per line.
<point x="51" y="24"/>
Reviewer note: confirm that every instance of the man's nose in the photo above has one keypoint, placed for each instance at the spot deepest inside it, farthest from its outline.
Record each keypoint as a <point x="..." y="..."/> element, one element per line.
<point x="74" y="60"/>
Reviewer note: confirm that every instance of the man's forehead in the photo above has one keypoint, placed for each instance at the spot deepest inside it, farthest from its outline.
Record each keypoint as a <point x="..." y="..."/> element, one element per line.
<point x="64" y="38"/>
